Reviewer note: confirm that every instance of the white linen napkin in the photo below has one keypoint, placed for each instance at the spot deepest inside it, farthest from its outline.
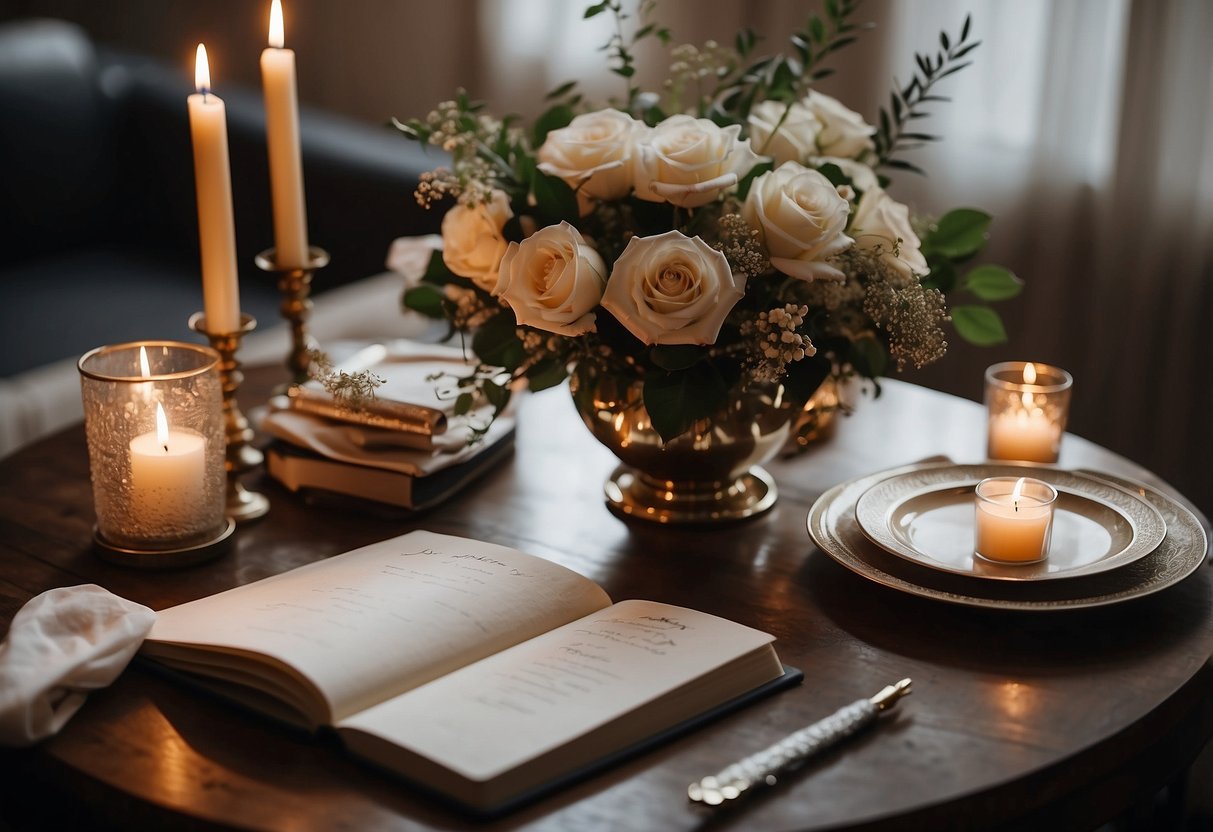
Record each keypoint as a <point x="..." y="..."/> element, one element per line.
<point x="62" y="644"/>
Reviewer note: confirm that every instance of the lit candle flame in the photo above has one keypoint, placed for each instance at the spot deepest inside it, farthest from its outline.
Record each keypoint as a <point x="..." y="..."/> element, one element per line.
<point x="161" y="427"/>
<point x="277" y="39"/>
<point x="1016" y="492"/>
<point x="1029" y="370"/>
<point x="202" y="71"/>
<point x="144" y="369"/>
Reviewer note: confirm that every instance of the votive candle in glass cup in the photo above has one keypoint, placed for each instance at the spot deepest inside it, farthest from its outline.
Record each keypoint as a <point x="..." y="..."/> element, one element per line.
<point x="153" y="417"/>
<point x="1027" y="405"/>
<point x="1013" y="519"/>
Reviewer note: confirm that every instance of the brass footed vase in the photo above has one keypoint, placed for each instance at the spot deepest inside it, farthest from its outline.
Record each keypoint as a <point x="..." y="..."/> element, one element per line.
<point x="711" y="474"/>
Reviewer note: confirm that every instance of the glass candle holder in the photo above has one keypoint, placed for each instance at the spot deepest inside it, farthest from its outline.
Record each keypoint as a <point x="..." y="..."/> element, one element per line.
<point x="153" y="416"/>
<point x="1027" y="406"/>
<point x="1013" y="519"/>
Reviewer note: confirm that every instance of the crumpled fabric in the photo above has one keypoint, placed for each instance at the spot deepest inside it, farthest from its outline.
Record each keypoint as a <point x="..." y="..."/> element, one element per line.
<point x="62" y="644"/>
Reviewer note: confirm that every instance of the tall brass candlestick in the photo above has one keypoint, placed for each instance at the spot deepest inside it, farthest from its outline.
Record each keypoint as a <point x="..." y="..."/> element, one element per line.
<point x="241" y="456"/>
<point x="295" y="285"/>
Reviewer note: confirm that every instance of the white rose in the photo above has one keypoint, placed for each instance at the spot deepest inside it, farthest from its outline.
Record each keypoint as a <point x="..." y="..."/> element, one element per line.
<point x="792" y="141"/>
<point x="472" y="242"/>
<point x="593" y="155"/>
<point x="882" y="225"/>
<point x="552" y="280"/>
<point x="689" y="161"/>
<point x="672" y="289"/>
<point x="801" y="218"/>
<point x="843" y="131"/>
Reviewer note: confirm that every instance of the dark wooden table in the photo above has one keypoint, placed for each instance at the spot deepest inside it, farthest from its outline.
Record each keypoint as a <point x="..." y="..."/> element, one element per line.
<point x="1062" y="718"/>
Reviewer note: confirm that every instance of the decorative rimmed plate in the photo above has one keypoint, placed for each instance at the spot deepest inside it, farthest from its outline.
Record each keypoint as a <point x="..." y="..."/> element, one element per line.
<point x="833" y="527"/>
<point x="926" y="516"/>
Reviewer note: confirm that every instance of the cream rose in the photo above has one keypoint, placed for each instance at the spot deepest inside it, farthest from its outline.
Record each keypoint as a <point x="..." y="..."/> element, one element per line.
<point x="552" y="280"/>
<point x="593" y="155"/>
<point x="672" y="289"/>
<point x="472" y="242"/>
<point x="843" y="131"/>
<point x="801" y="218"/>
<point x="882" y="224"/>
<point x="861" y="176"/>
<point x="795" y="140"/>
<point x="689" y="161"/>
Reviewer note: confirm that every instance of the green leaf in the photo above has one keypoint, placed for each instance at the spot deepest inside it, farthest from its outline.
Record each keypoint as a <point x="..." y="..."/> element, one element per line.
<point x="959" y="234"/>
<point x="436" y="271"/>
<point x="546" y="373"/>
<point x="743" y="187"/>
<point x="992" y="283"/>
<point x="942" y="277"/>
<point x="561" y="91"/>
<point x="978" y="325"/>
<point x="869" y="357"/>
<point x="554" y="200"/>
<point x="596" y="9"/>
<point x="496" y="343"/>
<point x="805" y="376"/>
<point x="555" y="118"/>
<point x="463" y="403"/>
<point x="677" y="356"/>
<point x="676" y="400"/>
<point x="498" y="395"/>
<point x="427" y="300"/>
<point x="834" y="173"/>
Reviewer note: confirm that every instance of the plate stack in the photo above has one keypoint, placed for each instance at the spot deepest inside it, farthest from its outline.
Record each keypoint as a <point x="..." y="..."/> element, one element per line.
<point x="911" y="529"/>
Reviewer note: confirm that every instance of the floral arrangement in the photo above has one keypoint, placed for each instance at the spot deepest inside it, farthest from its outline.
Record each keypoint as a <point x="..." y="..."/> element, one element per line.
<point x="734" y="229"/>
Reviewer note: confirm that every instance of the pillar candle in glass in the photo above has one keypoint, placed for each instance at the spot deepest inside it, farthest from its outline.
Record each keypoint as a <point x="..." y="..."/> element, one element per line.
<point x="1027" y="406"/>
<point x="1013" y="519"/>
<point x="153" y="416"/>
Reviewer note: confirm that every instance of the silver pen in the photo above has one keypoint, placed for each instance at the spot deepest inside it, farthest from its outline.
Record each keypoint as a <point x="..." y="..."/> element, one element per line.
<point x="760" y="769"/>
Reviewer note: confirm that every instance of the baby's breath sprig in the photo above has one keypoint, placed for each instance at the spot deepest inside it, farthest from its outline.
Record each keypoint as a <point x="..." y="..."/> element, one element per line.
<point x="349" y="390"/>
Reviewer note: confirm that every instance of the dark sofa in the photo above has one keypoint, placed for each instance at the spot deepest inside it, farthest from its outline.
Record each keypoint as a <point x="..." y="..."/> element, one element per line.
<point x="97" y="211"/>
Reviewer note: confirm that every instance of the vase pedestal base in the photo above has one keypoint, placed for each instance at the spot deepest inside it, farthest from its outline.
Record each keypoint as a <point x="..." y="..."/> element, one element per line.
<point x="629" y="493"/>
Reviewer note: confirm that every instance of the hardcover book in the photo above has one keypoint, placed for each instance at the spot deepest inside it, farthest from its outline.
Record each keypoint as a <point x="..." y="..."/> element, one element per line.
<point x="485" y="675"/>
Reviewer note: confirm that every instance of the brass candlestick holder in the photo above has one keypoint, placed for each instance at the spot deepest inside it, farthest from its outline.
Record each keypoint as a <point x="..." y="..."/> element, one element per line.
<point x="241" y="456"/>
<point x="295" y="283"/>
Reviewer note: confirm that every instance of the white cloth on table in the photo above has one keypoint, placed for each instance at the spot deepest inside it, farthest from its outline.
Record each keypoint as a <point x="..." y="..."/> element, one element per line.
<point x="62" y="644"/>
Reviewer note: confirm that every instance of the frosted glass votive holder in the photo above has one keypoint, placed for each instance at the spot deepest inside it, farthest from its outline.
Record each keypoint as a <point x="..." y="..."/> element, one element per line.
<point x="1027" y="405"/>
<point x="153" y="418"/>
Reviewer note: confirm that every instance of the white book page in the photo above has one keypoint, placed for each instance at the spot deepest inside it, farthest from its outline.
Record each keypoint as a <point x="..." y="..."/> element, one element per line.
<point x="371" y="623"/>
<point x="493" y="716"/>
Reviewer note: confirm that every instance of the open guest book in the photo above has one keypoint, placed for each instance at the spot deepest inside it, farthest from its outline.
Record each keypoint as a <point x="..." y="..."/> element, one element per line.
<point x="484" y="674"/>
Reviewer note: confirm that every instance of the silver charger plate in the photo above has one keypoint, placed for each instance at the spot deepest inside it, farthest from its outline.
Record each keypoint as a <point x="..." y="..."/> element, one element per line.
<point x="926" y="516"/>
<point x="833" y="527"/>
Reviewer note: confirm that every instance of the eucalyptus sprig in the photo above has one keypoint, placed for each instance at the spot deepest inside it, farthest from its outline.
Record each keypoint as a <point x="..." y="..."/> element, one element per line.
<point x="620" y="46"/>
<point x="906" y="103"/>
<point x="786" y="77"/>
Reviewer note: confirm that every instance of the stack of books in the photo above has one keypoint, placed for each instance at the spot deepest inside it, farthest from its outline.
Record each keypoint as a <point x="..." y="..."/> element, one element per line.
<point x="403" y="447"/>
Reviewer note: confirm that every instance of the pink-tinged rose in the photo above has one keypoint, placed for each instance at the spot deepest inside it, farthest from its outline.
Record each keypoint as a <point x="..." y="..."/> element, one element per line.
<point x="785" y="133"/>
<point x="843" y="131"/>
<point x="672" y="289"/>
<point x="689" y="161"/>
<point x="882" y="225"/>
<point x="472" y="241"/>
<point x="553" y="280"/>
<point x="801" y="219"/>
<point x="593" y="155"/>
